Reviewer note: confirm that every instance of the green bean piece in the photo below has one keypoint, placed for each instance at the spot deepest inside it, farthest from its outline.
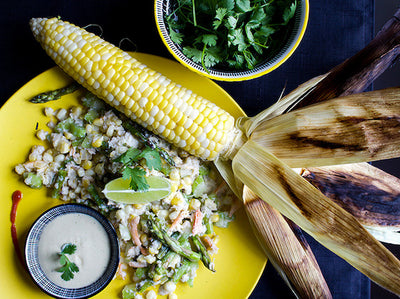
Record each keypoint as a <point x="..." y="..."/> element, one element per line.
<point x="205" y="257"/>
<point x="59" y="181"/>
<point x="179" y="272"/>
<point x="156" y="228"/>
<point x="97" y="199"/>
<point x="143" y="285"/>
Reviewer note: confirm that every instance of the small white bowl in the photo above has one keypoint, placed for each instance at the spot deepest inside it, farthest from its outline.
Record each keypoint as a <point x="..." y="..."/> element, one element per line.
<point x="163" y="8"/>
<point x="32" y="256"/>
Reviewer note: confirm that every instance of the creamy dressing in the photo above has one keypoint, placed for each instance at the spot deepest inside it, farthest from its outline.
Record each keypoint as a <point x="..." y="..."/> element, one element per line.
<point x="92" y="253"/>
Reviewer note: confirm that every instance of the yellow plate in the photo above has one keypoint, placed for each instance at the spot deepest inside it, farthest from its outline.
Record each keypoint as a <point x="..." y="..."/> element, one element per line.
<point x="239" y="262"/>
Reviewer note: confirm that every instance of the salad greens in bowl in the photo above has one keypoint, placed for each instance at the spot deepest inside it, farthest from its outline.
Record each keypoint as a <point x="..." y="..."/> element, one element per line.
<point x="231" y="40"/>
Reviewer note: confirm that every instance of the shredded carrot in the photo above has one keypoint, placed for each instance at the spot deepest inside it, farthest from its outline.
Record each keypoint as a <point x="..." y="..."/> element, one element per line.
<point x="133" y="229"/>
<point x="197" y="222"/>
<point x="177" y="220"/>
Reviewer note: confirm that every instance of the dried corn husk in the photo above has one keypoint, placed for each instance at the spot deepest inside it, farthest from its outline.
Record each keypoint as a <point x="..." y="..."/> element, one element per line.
<point x="357" y="73"/>
<point x="356" y="128"/>
<point x="324" y="220"/>
<point x="367" y="192"/>
<point x="291" y="256"/>
<point x="248" y="124"/>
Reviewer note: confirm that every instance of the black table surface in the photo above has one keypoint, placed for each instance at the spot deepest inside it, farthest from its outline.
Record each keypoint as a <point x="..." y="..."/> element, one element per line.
<point x="336" y="30"/>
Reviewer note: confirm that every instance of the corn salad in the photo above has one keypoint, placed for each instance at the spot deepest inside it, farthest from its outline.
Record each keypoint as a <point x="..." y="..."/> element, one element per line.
<point x="83" y="146"/>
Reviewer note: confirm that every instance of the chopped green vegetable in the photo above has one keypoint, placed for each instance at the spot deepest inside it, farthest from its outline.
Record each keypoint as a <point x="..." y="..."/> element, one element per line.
<point x="224" y="219"/>
<point x="33" y="180"/>
<point x="68" y="268"/>
<point x="129" y="291"/>
<point x="229" y="33"/>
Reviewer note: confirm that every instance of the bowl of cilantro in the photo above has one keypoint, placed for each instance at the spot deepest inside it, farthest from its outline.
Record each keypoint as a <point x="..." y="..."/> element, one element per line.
<point x="231" y="40"/>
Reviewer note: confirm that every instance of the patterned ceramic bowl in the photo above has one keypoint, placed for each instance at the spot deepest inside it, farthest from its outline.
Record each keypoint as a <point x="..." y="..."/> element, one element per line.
<point x="72" y="224"/>
<point x="292" y="37"/>
<point x="287" y="46"/>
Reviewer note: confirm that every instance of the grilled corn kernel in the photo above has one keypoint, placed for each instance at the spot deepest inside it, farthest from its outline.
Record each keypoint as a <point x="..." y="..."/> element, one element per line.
<point x="89" y="128"/>
<point x="174" y="187"/>
<point x="176" y="201"/>
<point x="194" y="204"/>
<point x="87" y="164"/>
<point x="48" y="111"/>
<point x="61" y="114"/>
<point x="19" y="169"/>
<point x="214" y="217"/>
<point x="98" y="122"/>
<point x="63" y="146"/>
<point x="97" y="141"/>
<point x="174" y="175"/>
<point x="41" y="134"/>
<point x="76" y="111"/>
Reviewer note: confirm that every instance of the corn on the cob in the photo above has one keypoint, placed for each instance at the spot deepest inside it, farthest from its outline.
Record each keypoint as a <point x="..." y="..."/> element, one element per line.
<point x="149" y="98"/>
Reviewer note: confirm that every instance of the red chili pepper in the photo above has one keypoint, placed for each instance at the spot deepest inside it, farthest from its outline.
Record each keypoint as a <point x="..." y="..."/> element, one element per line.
<point x="16" y="198"/>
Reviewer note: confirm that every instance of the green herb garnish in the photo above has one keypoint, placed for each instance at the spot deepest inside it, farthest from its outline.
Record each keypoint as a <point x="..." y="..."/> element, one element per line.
<point x="131" y="169"/>
<point x="235" y="34"/>
<point x="67" y="267"/>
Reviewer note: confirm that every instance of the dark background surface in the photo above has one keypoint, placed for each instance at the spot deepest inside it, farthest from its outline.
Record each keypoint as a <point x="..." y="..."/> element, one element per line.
<point x="336" y="30"/>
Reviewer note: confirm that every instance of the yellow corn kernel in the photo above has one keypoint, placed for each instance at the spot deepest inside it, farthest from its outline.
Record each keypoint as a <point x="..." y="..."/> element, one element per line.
<point x="98" y="122"/>
<point x="174" y="187"/>
<point x="174" y="175"/>
<point x="187" y="180"/>
<point x="214" y="217"/>
<point x="87" y="164"/>
<point x="176" y="201"/>
<point x="97" y="141"/>
<point x="137" y="206"/>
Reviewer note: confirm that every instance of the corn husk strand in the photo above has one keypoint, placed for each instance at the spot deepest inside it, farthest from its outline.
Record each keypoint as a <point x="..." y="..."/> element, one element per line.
<point x="320" y="217"/>
<point x="356" y="128"/>
<point x="367" y="192"/>
<point x="290" y="255"/>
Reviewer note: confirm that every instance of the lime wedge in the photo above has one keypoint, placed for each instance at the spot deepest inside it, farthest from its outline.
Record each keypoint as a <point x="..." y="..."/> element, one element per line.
<point x="118" y="190"/>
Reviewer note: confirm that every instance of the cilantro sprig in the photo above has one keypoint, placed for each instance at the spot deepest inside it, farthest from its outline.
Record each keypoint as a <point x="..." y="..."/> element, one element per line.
<point x="132" y="170"/>
<point x="229" y="34"/>
<point x="68" y="268"/>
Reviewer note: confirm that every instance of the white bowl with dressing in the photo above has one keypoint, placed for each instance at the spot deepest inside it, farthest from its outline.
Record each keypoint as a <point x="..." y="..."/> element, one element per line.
<point x="96" y="254"/>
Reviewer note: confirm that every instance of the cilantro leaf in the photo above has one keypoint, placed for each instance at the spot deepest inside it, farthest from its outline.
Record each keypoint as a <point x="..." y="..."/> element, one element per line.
<point x="68" y="249"/>
<point x="193" y="54"/>
<point x="220" y="14"/>
<point x="153" y="159"/>
<point x="67" y="268"/>
<point x="289" y="12"/>
<point x="243" y="5"/>
<point x="209" y="39"/>
<point x="137" y="178"/>
<point x="176" y="37"/>
<point x="131" y="155"/>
